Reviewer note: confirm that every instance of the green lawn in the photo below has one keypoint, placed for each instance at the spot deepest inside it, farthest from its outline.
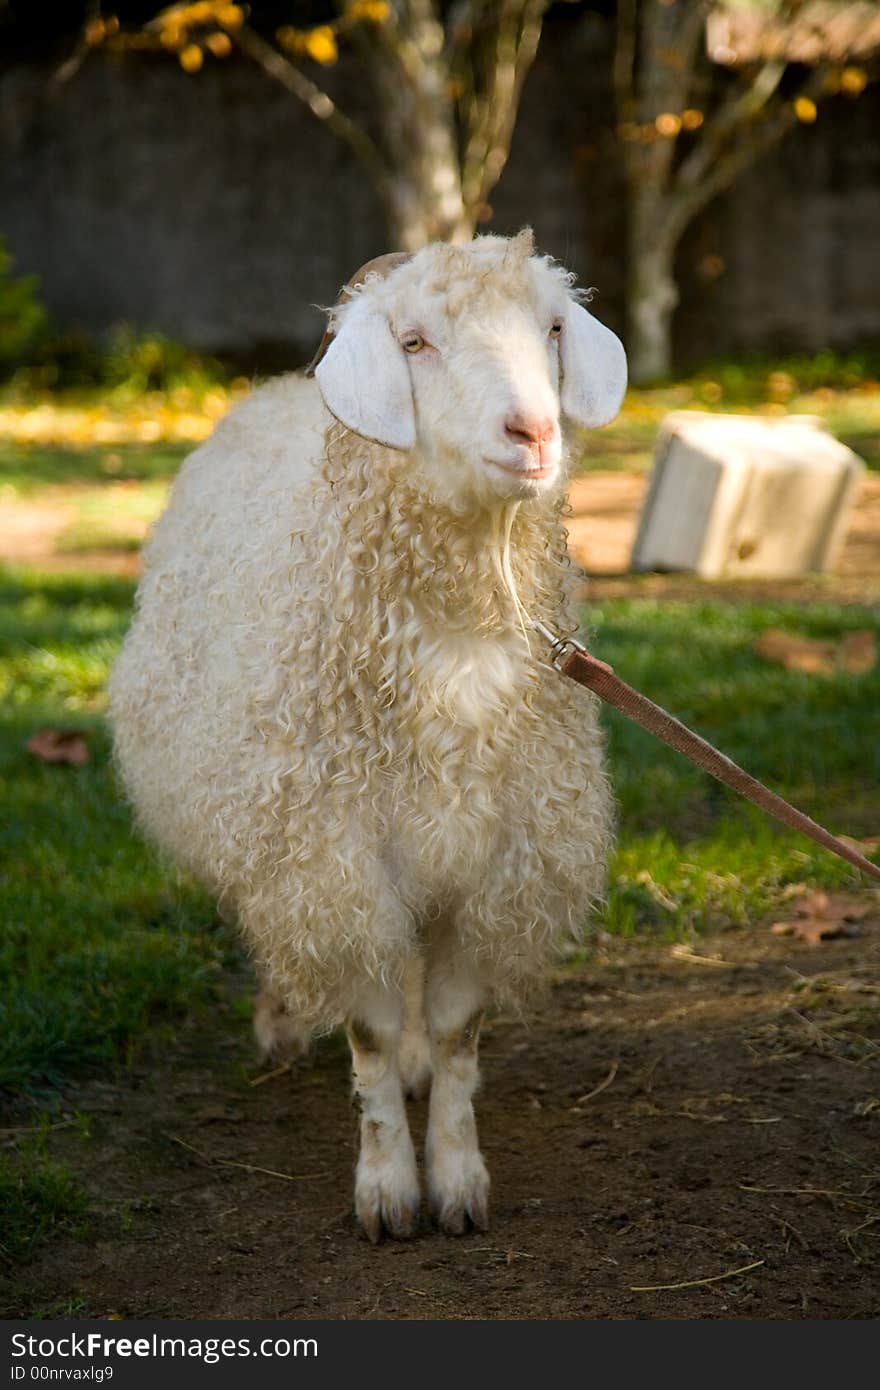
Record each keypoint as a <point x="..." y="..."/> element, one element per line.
<point x="99" y="941"/>
<point x="26" y="471"/>
<point x="103" y="943"/>
<point x="102" y="947"/>
<point x="692" y="856"/>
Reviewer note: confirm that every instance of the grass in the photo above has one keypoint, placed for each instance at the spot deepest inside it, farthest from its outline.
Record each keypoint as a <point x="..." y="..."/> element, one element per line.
<point x="843" y="392"/>
<point x="103" y="943"/>
<point x="53" y="452"/>
<point x="114" y="517"/>
<point x="100" y="941"/>
<point x="38" y="1197"/>
<point x="691" y="855"/>
<point x="102" y="947"/>
<point x="27" y="471"/>
<point x="109" y="496"/>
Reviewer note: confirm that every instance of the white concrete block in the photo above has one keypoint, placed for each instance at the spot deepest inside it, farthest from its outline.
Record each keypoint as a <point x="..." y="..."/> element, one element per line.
<point x="741" y="495"/>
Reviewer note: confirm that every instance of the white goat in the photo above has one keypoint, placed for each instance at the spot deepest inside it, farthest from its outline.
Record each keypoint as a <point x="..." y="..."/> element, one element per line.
<point x="328" y="708"/>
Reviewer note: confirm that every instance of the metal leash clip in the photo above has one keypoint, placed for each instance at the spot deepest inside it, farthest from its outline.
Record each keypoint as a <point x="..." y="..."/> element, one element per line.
<point x="560" y="647"/>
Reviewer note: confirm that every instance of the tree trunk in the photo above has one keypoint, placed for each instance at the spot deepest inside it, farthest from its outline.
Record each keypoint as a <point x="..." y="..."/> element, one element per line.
<point x="422" y="189"/>
<point x="422" y="193"/>
<point x="651" y="292"/>
<point x="423" y="203"/>
<point x="658" y="44"/>
<point x="652" y="297"/>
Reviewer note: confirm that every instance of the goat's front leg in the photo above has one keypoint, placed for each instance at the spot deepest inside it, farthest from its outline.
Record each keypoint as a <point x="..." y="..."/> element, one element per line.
<point x="386" y="1190"/>
<point x="458" y="1183"/>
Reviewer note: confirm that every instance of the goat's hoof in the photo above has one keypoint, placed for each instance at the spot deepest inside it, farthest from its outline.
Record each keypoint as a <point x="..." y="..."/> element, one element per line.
<point x="384" y="1208"/>
<point x="462" y="1203"/>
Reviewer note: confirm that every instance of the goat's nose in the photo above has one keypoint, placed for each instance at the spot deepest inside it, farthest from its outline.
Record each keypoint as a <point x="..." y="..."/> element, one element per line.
<point x="531" y="430"/>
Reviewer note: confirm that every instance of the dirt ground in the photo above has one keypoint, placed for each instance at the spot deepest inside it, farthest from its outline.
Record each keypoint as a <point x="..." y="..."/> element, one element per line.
<point x="681" y="1132"/>
<point x="605" y="509"/>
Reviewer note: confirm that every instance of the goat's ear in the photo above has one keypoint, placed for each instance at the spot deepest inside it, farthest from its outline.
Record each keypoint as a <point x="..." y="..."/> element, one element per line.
<point x="593" y="369"/>
<point x="364" y="378"/>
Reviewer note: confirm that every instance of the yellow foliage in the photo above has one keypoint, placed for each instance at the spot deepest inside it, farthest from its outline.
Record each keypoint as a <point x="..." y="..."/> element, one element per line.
<point x="180" y="16"/>
<point x="853" y="81"/>
<point x="180" y="416"/>
<point x="780" y="386"/>
<point x="215" y="404"/>
<point x="371" y="11"/>
<point x="711" y="266"/>
<point x="219" y="44"/>
<point x="806" y="110"/>
<point x="191" y="58"/>
<point x="321" y="45"/>
<point x="230" y="16"/>
<point x="172" y="37"/>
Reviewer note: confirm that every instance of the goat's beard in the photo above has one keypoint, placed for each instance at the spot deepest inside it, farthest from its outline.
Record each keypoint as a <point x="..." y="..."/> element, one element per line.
<point x="506" y="516"/>
<point x="487" y="567"/>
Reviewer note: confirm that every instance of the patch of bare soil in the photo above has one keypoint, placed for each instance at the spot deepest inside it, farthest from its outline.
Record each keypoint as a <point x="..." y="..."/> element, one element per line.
<point x="682" y="1132"/>
<point x="31" y="529"/>
<point x="31" y="533"/>
<point x="605" y="509"/>
<point x="602" y="528"/>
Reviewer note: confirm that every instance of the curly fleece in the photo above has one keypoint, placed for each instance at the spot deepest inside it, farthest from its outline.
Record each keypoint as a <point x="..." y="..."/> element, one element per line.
<point x="326" y="710"/>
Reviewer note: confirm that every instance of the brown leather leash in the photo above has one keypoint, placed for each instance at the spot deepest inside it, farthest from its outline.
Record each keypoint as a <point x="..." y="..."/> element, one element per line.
<point x="573" y="660"/>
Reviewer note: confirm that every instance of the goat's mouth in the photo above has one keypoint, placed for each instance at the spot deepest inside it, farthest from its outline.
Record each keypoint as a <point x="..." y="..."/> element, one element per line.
<point x="540" y="472"/>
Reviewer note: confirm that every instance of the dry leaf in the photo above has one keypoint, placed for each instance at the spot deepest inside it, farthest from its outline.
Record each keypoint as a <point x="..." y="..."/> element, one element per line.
<point x="796" y="653"/>
<point x="863" y="1108"/>
<point x="843" y="905"/>
<point x="59" y="746"/>
<point x="867" y="846"/>
<point x="855" y="653"/>
<point x="858" y="651"/>
<point x="821" y="917"/>
<point x="815" y="929"/>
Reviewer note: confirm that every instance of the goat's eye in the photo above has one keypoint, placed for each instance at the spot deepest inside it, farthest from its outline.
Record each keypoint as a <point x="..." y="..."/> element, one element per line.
<point x="412" y="342"/>
<point x="556" y="328"/>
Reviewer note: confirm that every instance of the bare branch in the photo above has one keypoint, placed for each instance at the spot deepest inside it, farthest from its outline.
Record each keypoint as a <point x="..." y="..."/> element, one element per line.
<point x="489" y="115"/>
<point x="739" y="110"/>
<point x="752" y="141"/>
<point x="72" y="63"/>
<point x="276" y="66"/>
<point x="407" y="63"/>
<point x="508" y="95"/>
<point x="624" y="66"/>
<point x="83" y="46"/>
<point x="669" y="38"/>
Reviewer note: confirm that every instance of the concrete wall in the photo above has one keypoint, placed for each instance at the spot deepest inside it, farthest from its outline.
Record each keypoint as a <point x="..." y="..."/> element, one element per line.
<point x="216" y="209"/>
<point x="800" y="239"/>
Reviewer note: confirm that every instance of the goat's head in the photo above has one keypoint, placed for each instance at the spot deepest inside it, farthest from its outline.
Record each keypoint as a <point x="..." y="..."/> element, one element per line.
<point x="468" y="357"/>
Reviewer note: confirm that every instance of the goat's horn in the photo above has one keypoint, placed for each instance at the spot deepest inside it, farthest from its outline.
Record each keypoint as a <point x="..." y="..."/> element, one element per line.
<point x="379" y="265"/>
